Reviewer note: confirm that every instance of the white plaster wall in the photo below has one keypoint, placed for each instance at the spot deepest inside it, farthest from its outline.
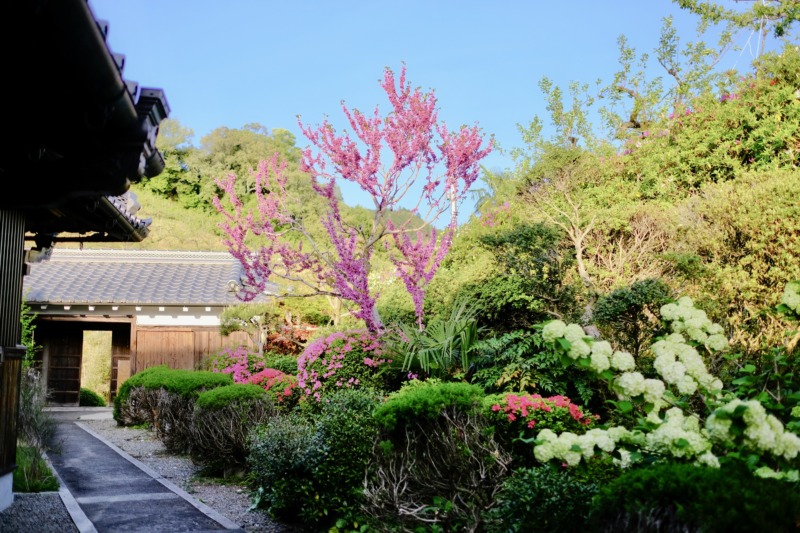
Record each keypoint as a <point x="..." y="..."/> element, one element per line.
<point x="177" y="320"/>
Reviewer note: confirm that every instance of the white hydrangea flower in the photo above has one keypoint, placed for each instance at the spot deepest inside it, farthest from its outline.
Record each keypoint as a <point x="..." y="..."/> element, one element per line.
<point x="678" y="436"/>
<point x="653" y="390"/>
<point x="631" y="383"/>
<point x="669" y="312"/>
<point x="671" y="370"/>
<point x="578" y="349"/>
<point x="791" y="296"/>
<point x="708" y="459"/>
<point x="788" y="445"/>
<point x="603" y="347"/>
<point x="623" y="361"/>
<point x="717" y="343"/>
<point x="600" y="361"/>
<point x="624" y="460"/>
<point x="617" y="433"/>
<point x="601" y="438"/>
<point x="686" y="385"/>
<point x="553" y="330"/>
<point x="574" y="333"/>
<point x="675" y="338"/>
<point x="696" y="334"/>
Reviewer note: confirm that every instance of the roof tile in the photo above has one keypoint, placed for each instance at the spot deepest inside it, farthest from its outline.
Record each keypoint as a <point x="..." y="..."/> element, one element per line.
<point x="74" y="276"/>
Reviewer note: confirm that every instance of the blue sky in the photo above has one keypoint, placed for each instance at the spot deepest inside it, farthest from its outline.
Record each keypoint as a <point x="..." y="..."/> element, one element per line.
<point x="229" y="63"/>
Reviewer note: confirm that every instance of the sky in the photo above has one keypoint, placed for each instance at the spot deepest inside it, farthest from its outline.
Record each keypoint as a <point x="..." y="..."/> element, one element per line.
<point x="234" y="62"/>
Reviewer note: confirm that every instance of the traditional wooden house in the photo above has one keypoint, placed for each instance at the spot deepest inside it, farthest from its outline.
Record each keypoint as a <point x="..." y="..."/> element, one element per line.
<point x="77" y="135"/>
<point x="159" y="308"/>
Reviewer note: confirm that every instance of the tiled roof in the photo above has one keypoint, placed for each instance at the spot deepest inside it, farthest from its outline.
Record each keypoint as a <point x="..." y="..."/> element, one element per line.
<point x="73" y="276"/>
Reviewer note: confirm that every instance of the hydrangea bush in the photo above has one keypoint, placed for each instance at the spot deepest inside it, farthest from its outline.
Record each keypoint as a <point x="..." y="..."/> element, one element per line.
<point x="730" y="426"/>
<point x="351" y="359"/>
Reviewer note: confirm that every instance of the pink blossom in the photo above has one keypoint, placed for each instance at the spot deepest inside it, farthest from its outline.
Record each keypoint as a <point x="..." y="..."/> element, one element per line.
<point x="420" y="147"/>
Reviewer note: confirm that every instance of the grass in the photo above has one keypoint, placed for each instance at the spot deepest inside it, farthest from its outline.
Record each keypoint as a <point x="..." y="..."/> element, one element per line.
<point x="32" y="473"/>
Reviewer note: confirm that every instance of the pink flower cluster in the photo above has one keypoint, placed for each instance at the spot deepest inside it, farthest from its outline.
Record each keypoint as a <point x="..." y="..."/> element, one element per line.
<point x="270" y="377"/>
<point x="524" y="406"/>
<point x="418" y="149"/>
<point x="238" y="364"/>
<point x="342" y="360"/>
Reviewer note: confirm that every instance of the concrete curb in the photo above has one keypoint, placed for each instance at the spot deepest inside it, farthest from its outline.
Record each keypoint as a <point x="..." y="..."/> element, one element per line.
<point x="79" y="518"/>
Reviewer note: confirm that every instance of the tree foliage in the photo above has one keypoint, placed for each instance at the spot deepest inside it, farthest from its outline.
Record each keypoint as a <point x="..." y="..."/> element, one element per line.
<point x="423" y="152"/>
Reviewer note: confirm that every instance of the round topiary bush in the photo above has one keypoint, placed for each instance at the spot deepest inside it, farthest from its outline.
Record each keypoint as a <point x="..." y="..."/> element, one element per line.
<point x="89" y="398"/>
<point x="436" y="462"/>
<point x="222" y="420"/>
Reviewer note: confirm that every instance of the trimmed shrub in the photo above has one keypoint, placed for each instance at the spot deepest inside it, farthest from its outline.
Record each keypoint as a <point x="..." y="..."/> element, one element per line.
<point x="89" y="398"/>
<point x="437" y="463"/>
<point x="542" y="499"/>
<point x="341" y="360"/>
<point x="314" y="472"/>
<point x="126" y="412"/>
<point x="682" y="497"/>
<point x="221" y="422"/>
<point x="427" y="400"/>
<point x="164" y="398"/>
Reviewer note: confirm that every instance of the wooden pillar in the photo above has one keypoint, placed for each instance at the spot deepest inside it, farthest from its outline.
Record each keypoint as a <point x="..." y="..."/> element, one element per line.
<point x="12" y="268"/>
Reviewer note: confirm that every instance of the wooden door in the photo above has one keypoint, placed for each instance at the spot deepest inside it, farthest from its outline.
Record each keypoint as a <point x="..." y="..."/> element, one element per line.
<point x="64" y="367"/>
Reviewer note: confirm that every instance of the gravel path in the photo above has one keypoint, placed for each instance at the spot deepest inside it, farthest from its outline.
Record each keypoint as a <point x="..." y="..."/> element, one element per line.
<point x="45" y="512"/>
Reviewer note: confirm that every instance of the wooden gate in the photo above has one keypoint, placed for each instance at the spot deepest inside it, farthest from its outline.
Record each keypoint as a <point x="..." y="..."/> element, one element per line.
<point x="64" y="354"/>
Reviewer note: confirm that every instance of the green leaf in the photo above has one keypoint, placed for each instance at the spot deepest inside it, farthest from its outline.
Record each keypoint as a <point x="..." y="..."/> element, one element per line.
<point x="625" y="406"/>
<point x="748" y="369"/>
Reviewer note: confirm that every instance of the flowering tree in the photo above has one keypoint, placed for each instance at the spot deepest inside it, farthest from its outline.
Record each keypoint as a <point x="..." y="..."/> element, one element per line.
<point x="422" y="152"/>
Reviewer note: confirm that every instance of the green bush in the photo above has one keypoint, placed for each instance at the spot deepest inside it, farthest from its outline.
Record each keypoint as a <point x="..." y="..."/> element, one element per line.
<point x="285" y="363"/>
<point x="427" y="399"/>
<point x="436" y="464"/>
<point x="682" y="497"/>
<point x="541" y="499"/>
<point x="89" y="398"/>
<point x="140" y="379"/>
<point x="628" y="316"/>
<point x="314" y="472"/>
<point x="221" y="397"/>
<point x="520" y="361"/>
<point x="281" y="458"/>
<point x="164" y="398"/>
<point x="221" y="423"/>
